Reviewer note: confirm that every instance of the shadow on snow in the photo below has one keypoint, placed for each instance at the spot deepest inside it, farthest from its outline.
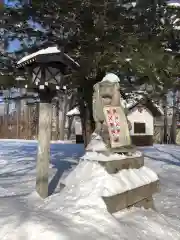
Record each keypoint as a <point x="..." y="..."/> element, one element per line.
<point x="21" y="157"/>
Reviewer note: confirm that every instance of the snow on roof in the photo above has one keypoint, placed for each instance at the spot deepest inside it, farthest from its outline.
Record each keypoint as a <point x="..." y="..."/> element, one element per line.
<point x="173" y="3"/>
<point x="129" y="5"/>
<point x="136" y="98"/>
<point x="49" y="50"/>
<point x="20" y="78"/>
<point x="128" y="59"/>
<point x="73" y="112"/>
<point x="168" y="50"/>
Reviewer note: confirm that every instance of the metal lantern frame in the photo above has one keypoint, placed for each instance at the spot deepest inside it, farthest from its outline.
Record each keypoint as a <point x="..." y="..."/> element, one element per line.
<point x="47" y="67"/>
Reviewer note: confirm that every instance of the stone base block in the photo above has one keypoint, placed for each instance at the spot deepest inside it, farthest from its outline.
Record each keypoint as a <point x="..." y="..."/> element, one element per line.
<point x="134" y="197"/>
<point x="117" y="165"/>
<point x="145" y="203"/>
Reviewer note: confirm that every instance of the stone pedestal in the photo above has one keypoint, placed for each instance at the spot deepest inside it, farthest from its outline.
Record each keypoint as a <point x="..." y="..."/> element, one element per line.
<point x="126" y="163"/>
<point x="114" y="164"/>
<point x="137" y="183"/>
<point x="139" y="196"/>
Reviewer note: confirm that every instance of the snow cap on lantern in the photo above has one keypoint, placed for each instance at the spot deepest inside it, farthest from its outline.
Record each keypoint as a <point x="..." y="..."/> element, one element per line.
<point x="173" y="3"/>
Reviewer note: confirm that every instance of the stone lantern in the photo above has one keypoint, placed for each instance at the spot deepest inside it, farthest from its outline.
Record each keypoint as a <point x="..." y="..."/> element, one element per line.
<point x="46" y="69"/>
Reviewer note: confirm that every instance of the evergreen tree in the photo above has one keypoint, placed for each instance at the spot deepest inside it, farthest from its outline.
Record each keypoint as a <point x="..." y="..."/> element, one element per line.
<point x="102" y="35"/>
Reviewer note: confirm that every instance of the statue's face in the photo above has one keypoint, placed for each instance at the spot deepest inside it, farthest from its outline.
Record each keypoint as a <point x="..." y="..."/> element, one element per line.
<point x="106" y="91"/>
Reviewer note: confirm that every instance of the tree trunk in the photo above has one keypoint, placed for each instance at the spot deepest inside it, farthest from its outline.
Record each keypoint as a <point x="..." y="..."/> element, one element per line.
<point x="18" y="112"/>
<point x="36" y="118"/>
<point x="85" y="94"/>
<point x="53" y="128"/>
<point x="28" y="119"/>
<point x="63" y="116"/>
<point x="57" y="119"/>
<point x="44" y="138"/>
<point x="174" y="121"/>
<point x="6" y="116"/>
<point x="71" y="102"/>
<point x="86" y="115"/>
<point x="165" y="137"/>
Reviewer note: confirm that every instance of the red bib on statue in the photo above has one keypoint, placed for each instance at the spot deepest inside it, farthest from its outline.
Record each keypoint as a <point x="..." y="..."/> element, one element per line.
<point x="117" y="126"/>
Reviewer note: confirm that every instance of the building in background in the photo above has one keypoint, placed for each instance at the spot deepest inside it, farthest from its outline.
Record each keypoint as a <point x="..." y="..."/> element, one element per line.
<point x="76" y="124"/>
<point x="143" y="114"/>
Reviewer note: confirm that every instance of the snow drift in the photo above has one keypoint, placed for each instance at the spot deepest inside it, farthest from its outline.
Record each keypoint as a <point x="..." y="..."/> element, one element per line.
<point x="78" y="212"/>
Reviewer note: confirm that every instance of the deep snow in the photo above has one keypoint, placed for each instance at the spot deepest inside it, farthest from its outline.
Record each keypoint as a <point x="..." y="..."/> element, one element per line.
<point x="78" y="212"/>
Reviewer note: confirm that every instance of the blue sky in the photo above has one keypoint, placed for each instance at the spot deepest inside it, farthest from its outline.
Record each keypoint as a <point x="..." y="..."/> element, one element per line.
<point x="15" y="44"/>
<point x="11" y="3"/>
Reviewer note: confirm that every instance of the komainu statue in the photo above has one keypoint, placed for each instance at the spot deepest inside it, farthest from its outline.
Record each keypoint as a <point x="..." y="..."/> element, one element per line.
<point x="111" y="122"/>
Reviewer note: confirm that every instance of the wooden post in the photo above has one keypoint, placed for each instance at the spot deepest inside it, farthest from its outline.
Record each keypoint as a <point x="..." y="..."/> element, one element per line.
<point x="165" y="138"/>
<point x="18" y="118"/>
<point x="71" y="102"/>
<point x="6" y="115"/>
<point x="36" y="112"/>
<point x="173" y="128"/>
<point x="28" y="121"/>
<point x="57" y="120"/>
<point x="63" y="116"/>
<point x="44" y="138"/>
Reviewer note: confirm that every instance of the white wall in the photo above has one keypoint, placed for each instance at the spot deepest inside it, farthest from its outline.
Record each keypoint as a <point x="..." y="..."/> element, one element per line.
<point x="144" y="117"/>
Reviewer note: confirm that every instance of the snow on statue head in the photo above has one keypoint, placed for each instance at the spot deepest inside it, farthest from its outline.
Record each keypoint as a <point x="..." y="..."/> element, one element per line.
<point x="111" y="77"/>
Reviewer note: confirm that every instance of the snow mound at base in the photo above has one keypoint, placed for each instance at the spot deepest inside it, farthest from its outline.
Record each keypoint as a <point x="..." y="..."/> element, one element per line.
<point x="74" y="215"/>
<point x="92" y="177"/>
<point x="95" y="156"/>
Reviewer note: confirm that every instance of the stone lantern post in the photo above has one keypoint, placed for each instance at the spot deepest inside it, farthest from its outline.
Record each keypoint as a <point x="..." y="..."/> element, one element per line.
<point x="46" y="69"/>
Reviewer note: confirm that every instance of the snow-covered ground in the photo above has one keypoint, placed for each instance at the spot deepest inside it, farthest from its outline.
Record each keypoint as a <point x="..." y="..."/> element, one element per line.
<point x="78" y="212"/>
